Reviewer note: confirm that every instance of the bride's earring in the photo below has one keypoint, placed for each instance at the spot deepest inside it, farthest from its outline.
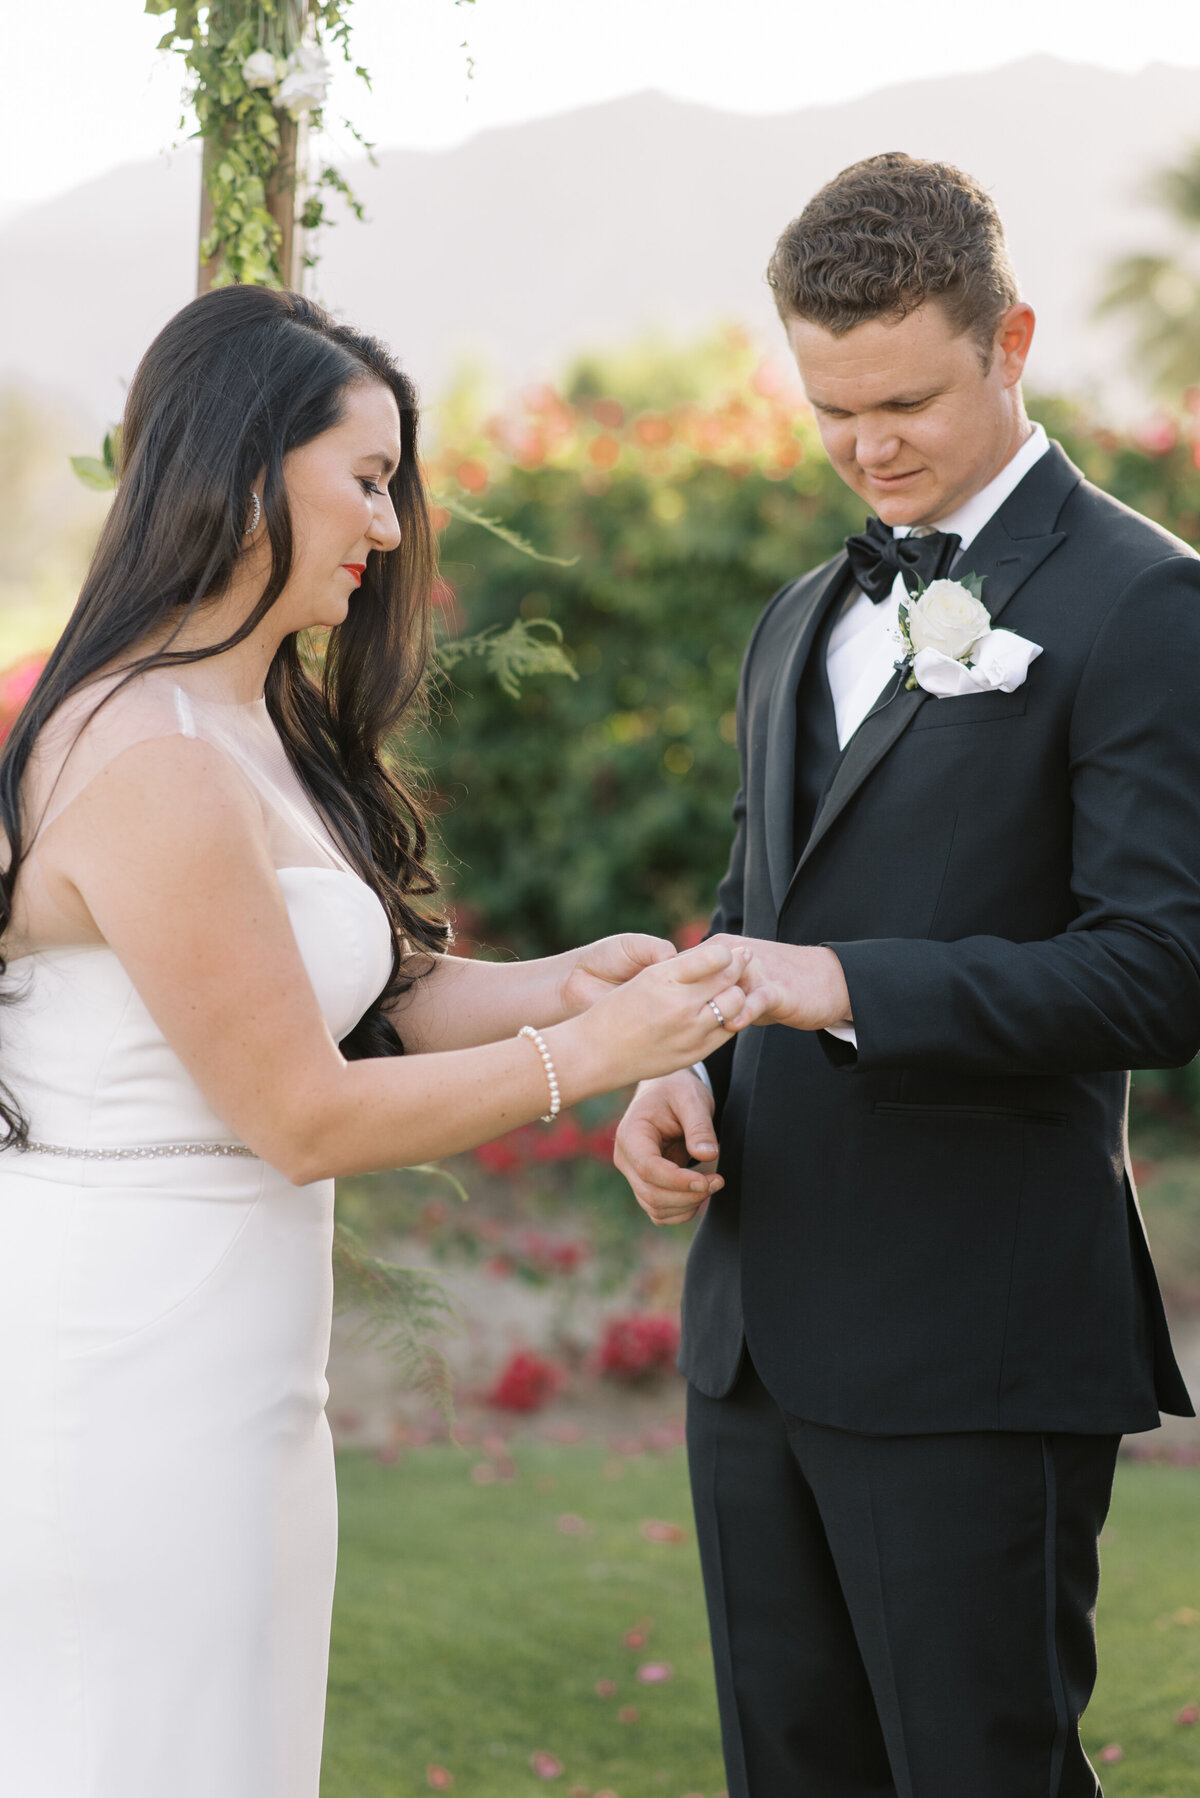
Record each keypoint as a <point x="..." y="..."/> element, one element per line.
<point x="255" y="515"/>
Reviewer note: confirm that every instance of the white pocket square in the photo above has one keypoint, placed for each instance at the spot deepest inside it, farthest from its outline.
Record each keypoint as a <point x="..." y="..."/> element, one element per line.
<point x="1000" y="662"/>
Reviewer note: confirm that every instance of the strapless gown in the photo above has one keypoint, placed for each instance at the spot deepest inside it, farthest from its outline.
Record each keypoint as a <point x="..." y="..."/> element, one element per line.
<point x="167" y="1501"/>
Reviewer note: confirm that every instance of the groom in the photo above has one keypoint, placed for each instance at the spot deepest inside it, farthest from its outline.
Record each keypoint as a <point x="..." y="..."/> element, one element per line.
<point x="920" y="1310"/>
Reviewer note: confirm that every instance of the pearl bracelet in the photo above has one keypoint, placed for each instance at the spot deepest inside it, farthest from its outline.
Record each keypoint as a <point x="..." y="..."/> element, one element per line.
<point x="539" y="1043"/>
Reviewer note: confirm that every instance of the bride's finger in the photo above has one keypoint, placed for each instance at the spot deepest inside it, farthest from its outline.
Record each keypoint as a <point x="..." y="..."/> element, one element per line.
<point x="729" y="1002"/>
<point x="703" y="962"/>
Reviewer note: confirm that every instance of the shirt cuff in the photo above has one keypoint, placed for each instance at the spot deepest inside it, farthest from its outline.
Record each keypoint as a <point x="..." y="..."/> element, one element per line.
<point x="702" y="1074"/>
<point x="845" y="1033"/>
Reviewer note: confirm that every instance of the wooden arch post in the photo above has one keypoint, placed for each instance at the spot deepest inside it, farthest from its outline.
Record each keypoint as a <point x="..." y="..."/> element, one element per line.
<point x="283" y="191"/>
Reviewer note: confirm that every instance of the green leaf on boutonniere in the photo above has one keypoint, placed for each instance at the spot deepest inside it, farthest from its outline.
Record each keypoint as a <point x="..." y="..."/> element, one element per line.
<point x="973" y="584"/>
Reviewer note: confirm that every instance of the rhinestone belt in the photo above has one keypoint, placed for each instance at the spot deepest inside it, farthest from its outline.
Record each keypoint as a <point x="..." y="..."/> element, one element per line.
<point x="151" y="1152"/>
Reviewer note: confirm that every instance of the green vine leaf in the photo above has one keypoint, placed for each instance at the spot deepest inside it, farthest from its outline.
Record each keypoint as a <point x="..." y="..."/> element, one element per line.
<point x="468" y="515"/>
<point x="92" y="472"/>
<point x="512" y="654"/>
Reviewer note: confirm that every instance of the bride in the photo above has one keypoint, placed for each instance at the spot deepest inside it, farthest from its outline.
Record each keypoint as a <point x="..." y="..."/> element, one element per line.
<point x="214" y="953"/>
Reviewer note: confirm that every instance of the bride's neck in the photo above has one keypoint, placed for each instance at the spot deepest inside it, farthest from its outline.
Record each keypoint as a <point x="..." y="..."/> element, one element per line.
<point x="238" y="674"/>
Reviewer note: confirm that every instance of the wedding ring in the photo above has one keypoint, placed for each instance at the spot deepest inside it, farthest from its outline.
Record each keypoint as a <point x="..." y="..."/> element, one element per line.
<point x="717" y="1013"/>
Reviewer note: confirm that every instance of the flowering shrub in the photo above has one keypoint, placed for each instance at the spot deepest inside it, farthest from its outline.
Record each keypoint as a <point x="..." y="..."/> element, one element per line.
<point x="638" y="1346"/>
<point x="565" y="1140"/>
<point x="526" y="1383"/>
<point x="687" y="491"/>
<point x="16" y="684"/>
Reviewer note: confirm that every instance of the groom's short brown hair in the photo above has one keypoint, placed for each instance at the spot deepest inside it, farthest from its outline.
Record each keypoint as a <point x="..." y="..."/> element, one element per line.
<point x="888" y="234"/>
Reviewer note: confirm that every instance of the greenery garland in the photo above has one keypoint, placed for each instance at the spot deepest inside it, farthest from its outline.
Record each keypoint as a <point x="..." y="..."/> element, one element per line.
<point x="258" y="72"/>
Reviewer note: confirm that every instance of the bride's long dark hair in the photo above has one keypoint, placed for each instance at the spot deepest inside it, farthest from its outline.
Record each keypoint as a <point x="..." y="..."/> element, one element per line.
<point x="235" y="381"/>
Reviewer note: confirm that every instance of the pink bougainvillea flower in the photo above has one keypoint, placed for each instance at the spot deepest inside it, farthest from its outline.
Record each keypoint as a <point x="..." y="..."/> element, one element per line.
<point x="606" y="1688"/>
<point x="628" y="1713"/>
<point x="439" y="1778"/>
<point x="1189" y="1714"/>
<point x="654" y="1530"/>
<point x="655" y="1673"/>
<point x="1113" y="1752"/>
<point x="546" y="1766"/>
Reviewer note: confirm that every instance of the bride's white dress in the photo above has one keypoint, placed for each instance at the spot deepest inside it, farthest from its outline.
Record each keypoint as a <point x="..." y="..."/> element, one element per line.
<point x="167" y="1501"/>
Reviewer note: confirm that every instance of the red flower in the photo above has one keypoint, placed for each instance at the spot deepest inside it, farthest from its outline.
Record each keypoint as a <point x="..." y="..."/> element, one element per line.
<point x="500" y="1156"/>
<point x="527" y="1383"/>
<point x="638" y="1345"/>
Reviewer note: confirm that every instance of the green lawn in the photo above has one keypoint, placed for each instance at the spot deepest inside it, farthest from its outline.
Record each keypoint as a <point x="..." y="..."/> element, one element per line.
<point x="471" y="1630"/>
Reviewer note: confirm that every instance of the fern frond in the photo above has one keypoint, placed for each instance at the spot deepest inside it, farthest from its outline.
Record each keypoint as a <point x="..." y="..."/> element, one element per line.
<point x="513" y="653"/>
<point x="468" y="515"/>
<point x="402" y="1311"/>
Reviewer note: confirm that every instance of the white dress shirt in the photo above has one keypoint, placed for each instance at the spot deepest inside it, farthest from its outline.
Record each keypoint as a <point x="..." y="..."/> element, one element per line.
<point x="865" y="645"/>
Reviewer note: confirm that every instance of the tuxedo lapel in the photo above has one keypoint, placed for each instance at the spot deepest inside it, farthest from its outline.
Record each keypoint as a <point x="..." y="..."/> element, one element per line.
<point x="780" y="775"/>
<point x="1011" y="546"/>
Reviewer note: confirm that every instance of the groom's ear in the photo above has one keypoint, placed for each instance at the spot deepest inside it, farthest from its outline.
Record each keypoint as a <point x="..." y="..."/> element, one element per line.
<point x="1014" y="335"/>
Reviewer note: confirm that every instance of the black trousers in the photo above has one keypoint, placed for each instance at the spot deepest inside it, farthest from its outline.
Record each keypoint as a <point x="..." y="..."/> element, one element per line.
<point x="897" y="1616"/>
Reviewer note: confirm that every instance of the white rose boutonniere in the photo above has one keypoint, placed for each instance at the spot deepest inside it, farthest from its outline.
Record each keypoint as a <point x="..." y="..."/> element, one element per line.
<point x="950" y="646"/>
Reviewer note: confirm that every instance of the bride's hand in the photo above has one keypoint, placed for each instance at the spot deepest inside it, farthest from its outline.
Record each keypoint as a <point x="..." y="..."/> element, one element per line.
<point x="600" y="967"/>
<point x="670" y="1015"/>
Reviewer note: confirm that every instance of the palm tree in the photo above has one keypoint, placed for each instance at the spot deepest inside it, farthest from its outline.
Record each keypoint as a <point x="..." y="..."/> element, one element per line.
<point x="1161" y="293"/>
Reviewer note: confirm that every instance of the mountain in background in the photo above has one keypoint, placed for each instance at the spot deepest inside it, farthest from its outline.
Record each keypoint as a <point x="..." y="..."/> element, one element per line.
<point x="641" y="216"/>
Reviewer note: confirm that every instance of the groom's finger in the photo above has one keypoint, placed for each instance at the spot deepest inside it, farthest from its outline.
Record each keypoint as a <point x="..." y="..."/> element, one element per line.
<point x="639" y="1157"/>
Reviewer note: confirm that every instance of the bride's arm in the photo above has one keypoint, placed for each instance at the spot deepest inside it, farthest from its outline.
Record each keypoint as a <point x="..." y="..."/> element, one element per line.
<point x="166" y="851"/>
<point x="461" y="1003"/>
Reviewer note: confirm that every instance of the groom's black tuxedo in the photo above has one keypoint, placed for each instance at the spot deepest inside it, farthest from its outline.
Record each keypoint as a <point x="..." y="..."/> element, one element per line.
<point x="930" y="1246"/>
<point x="938" y="1232"/>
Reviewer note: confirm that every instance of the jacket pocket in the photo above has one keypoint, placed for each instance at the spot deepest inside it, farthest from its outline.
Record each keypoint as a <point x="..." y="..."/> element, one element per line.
<point x="970" y="708"/>
<point x="1005" y="1114"/>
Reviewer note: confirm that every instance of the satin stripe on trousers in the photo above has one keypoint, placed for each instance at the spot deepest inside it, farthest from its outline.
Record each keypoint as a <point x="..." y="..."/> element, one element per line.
<point x="897" y="1616"/>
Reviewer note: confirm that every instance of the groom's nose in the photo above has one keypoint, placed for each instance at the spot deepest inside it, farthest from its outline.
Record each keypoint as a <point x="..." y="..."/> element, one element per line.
<point x="877" y="442"/>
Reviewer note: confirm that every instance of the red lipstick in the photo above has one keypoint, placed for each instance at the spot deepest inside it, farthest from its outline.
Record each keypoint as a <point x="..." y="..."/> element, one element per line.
<point x="357" y="569"/>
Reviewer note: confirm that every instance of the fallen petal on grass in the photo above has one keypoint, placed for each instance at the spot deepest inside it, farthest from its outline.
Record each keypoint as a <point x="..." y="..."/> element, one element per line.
<point x="628" y="1713"/>
<point x="570" y="1525"/>
<point x="439" y="1778"/>
<point x="655" y="1530"/>
<point x="606" y="1688"/>
<point x="655" y="1673"/>
<point x="1189" y="1714"/>
<point x="1113" y="1752"/>
<point x="546" y="1766"/>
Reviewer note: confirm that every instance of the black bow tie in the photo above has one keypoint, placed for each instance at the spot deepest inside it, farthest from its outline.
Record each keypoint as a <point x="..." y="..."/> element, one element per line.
<point x="877" y="558"/>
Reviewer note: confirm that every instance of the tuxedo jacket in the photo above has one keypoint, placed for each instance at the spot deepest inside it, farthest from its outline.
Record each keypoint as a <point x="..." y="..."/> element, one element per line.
<point x="938" y="1231"/>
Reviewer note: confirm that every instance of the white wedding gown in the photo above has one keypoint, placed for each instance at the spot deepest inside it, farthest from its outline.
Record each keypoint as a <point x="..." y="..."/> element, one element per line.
<point x="167" y="1501"/>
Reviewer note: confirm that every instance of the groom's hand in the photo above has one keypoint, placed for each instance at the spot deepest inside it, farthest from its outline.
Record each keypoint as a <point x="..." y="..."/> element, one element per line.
<point x="668" y="1123"/>
<point x="599" y="967"/>
<point x="808" y="987"/>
